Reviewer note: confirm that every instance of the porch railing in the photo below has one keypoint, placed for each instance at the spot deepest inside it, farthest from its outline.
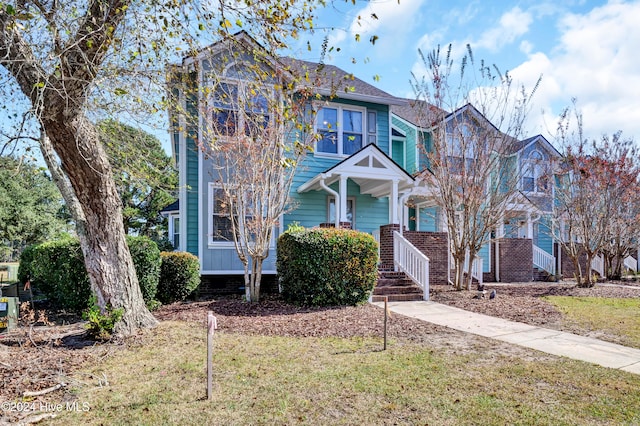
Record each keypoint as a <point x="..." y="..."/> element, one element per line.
<point x="476" y="267"/>
<point x="544" y="260"/>
<point x="630" y="262"/>
<point x="597" y="264"/>
<point x="408" y="259"/>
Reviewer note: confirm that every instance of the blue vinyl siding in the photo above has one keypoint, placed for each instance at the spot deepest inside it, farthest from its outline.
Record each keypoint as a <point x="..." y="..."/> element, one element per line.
<point x="409" y="145"/>
<point x="311" y="207"/>
<point x="545" y="239"/>
<point x="428" y="221"/>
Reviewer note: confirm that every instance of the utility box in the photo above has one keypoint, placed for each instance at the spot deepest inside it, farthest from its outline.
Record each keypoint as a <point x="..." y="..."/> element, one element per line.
<point x="9" y="290"/>
<point x="9" y="307"/>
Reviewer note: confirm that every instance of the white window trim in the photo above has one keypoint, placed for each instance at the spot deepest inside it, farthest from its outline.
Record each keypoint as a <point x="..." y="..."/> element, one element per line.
<point x="210" y="241"/>
<point x="213" y="244"/>
<point x="340" y="108"/>
<point x="533" y="169"/>
<point x="241" y="87"/>
<point x="171" y="230"/>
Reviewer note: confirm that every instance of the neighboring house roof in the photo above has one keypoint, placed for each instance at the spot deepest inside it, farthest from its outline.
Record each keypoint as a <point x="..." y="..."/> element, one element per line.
<point x="520" y="145"/>
<point x="173" y="207"/>
<point x="418" y="113"/>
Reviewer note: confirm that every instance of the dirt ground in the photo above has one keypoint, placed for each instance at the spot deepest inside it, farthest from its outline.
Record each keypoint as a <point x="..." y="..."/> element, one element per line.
<point x="41" y="354"/>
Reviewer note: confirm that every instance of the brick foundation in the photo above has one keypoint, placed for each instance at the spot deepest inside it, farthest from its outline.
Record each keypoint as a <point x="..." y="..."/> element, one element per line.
<point x="516" y="259"/>
<point x="568" y="269"/>
<point x="433" y="244"/>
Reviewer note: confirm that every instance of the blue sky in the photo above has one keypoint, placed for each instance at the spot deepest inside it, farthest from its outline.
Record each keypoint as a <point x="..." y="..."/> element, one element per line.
<point x="583" y="49"/>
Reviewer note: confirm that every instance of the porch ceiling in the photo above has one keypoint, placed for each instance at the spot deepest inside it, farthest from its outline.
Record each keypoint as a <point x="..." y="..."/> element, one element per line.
<point x="370" y="168"/>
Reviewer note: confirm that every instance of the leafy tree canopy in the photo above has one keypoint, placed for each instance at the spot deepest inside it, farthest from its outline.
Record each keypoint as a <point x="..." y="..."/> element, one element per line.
<point x="31" y="208"/>
<point x="145" y="177"/>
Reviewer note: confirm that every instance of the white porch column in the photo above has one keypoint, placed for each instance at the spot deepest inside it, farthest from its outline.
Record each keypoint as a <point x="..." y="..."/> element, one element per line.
<point x="444" y="226"/>
<point x="529" y="226"/>
<point x="500" y="230"/>
<point x="393" y="203"/>
<point x="342" y="206"/>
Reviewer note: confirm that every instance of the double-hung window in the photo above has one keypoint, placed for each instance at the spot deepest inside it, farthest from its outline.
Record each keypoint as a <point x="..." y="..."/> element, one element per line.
<point x="533" y="177"/>
<point x="238" y="108"/>
<point x="343" y="130"/>
<point x="220" y="227"/>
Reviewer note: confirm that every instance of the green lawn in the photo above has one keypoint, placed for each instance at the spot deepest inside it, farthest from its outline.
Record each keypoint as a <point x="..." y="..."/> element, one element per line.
<point x="618" y="317"/>
<point x="327" y="381"/>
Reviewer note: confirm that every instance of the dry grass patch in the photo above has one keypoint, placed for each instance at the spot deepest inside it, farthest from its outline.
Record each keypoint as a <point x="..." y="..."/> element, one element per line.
<point x="331" y="380"/>
<point x="612" y="319"/>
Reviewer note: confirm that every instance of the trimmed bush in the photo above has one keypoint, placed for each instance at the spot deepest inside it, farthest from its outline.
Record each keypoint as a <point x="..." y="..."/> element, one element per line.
<point x="24" y="269"/>
<point x="57" y="269"/>
<point x="146" y="258"/>
<point x="179" y="276"/>
<point x="327" y="267"/>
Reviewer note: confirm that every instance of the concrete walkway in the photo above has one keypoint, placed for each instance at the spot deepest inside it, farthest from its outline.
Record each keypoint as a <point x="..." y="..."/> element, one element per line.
<point x="545" y="340"/>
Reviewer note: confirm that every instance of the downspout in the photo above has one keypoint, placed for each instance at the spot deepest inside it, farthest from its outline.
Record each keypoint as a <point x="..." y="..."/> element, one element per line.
<point x="335" y="194"/>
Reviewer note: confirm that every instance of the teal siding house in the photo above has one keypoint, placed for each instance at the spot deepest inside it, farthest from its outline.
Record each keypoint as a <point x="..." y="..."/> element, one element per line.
<point x="362" y="174"/>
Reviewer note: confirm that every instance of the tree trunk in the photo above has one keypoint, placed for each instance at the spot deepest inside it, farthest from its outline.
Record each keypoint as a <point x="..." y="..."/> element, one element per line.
<point x="256" y="278"/>
<point x="459" y="280"/>
<point x="105" y="250"/>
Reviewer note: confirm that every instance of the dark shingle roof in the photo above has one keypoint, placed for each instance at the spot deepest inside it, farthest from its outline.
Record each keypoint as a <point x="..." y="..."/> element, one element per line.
<point x="330" y="79"/>
<point x="419" y="113"/>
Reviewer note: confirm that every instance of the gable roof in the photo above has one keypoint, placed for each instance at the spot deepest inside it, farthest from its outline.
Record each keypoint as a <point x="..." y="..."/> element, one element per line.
<point x="369" y="167"/>
<point x="521" y="145"/>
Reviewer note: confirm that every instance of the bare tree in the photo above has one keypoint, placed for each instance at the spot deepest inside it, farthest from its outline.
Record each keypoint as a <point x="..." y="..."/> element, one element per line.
<point x="65" y="61"/>
<point x="596" y="183"/>
<point x="468" y="152"/>
<point x="257" y="126"/>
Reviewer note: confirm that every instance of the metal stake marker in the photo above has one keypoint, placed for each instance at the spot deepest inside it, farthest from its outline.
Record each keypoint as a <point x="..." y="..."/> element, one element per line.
<point x="212" y="324"/>
<point x="386" y="312"/>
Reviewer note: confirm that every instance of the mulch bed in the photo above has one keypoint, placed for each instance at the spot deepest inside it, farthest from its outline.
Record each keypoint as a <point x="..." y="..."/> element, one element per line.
<point x="40" y="355"/>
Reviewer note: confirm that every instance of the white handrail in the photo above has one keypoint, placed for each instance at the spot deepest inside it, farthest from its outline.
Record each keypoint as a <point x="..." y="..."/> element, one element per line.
<point x="597" y="264"/>
<point x="376" y="236"/>
<point x="412" y="262"/>
<point x="544" y="260"/>
<point x="630" y="262"/>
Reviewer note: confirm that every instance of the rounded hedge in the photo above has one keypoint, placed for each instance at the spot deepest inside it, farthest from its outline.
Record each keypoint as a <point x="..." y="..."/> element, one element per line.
<point x="57" y="269"/>
<point x="146" y="258"/>
<point x="179" y="276"/>
<point x="327" y="267"/>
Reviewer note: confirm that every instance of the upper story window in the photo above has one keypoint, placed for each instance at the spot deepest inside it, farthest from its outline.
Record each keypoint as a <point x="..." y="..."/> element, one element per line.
<point x="238" y="108"/>
<point x="459" y="141"/>
<point x="344" y="130"/>
<point x="534" y="178"/>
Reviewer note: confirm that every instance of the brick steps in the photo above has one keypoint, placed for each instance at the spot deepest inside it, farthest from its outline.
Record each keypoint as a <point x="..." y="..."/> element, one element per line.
<point x="396" y="286"/>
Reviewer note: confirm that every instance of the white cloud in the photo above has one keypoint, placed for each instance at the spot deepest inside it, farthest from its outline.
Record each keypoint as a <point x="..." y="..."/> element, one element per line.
<point x="386" y="16"/>
<point x="596" y="62"/>
<point x="512" y="25"/>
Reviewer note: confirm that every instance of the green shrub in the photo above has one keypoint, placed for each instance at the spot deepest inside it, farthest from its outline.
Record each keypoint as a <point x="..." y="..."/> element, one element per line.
<point x="24" y="269"/>
<point x="146" y="259"/>
<point x="327" y="267"/>
<point x="100" y="325"/>
<point x="179" y="276"/>
<point x="57" y="269"/>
